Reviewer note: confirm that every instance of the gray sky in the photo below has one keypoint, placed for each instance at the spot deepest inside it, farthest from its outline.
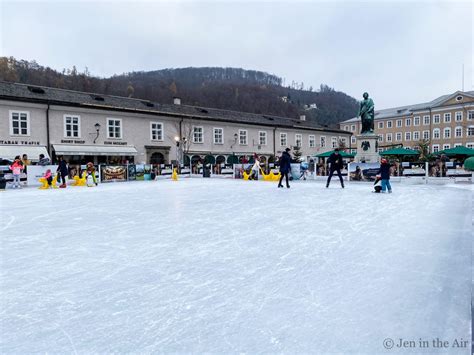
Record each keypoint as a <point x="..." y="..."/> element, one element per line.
<point x="401" y="52"/>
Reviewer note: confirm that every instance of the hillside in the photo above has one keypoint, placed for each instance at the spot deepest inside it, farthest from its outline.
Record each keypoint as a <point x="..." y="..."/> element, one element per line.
<point x="225" y="88"/>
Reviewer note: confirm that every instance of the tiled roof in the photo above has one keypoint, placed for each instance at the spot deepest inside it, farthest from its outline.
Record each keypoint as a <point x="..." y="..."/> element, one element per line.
<point x="406" y="110"/>
<point x="24" y="92"/>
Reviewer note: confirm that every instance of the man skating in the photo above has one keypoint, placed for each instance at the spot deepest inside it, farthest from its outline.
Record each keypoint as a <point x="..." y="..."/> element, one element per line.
<point x="285" y="167"/>
<point x="335" y="160"/>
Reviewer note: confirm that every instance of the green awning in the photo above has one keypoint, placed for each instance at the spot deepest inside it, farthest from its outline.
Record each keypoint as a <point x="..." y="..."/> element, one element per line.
<point x="209" y="159"/>
<point x="400" y="152"/>
<point x="457" y="151"/>
<point x="232" y="159"/>
<point x="341" y="152"/>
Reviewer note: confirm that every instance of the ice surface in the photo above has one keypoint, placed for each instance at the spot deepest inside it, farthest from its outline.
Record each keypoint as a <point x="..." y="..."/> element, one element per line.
<point x="233" y="266"/>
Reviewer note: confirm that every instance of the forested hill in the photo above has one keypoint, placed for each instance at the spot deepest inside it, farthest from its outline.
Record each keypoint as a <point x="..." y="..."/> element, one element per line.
<point x="225" y="88"/>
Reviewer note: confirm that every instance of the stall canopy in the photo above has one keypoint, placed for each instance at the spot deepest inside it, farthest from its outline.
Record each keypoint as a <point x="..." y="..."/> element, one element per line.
<point x="457" y="151"/>
<point x="341" y="152"/>
<point x="65" y="149"/>
<point x="400" y="152"/>
<point x="33" y="151"/>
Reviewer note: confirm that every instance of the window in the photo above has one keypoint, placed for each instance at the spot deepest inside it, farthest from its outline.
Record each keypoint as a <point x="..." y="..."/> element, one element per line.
<point x="398" y="136"/>
<point x="380" y="138"/>
<point x="447" y="132"/>
<point x="426" y="120"/>
<point x="380" y="125"/>
<point x="334" y="142"/>
<point x="343" y="141"/>
<point x="389" y="124"/>
<point x="283" y="139"/>
<point x="114" y="128"/>
<point x="446" y="146"/>
<point x="198" y="134"/>
<point x="298" y="140"/>
<point x="416" y="121"/>
<point x="447" y="117"/>
<point x="436" y="119"/>
<point x="322" y="140"/>
<point x="470" y="145"/>
<point x="416" y="135"/>
<point x="312" y="140"/>
<point x="262" y="138"/>
<point x="346" y="128"/>
<point x="408" y="122"/>
<point x="156" y="131"/>
<point x="399" y="123"/>
<point x="72" y="126"/>
<point x="436" y="133"/>
<point x="242" y="136"/>
<point x="218" y="135"/>
<point x="457" y="145"/>
<point x="458" y="116"/>
<point x="19" y="123"/>
<point x="435" y="148"/>
<point x="353" y="127"/>
<point x="470" y="115"/>
<point x="408" y="136"/>
<point x="470" y="131"/>
<point x="353" y="139"/>
<point x="388" y="137"/>
<point x="426" y="134"/>
<point x="458" y="132"/>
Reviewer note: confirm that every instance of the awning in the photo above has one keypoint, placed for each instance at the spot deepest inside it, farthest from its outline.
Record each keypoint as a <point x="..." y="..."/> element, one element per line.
<point x="66" y="149"/>
<point x="33" y="151"/>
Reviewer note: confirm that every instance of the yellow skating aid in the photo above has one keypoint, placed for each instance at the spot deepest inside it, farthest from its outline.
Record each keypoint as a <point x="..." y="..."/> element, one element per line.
<point x="174" y="175"/>
<point x="45" y="185"/>
<point x="80" y="181"/>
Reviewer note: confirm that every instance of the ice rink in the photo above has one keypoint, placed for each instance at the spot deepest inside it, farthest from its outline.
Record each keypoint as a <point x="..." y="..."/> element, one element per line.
<point x="229" y="266"/>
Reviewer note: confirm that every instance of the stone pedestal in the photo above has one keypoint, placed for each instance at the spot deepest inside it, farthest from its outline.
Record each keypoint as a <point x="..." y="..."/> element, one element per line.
<point x="367" y="148"/>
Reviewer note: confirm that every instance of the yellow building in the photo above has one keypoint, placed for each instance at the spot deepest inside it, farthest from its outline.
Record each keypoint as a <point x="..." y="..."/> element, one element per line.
<point x="445" y="122"/>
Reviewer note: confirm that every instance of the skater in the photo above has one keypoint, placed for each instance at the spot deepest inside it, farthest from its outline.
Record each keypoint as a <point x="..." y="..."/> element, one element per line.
<point x="335" y="159"/>
<point x="303" y="170"/>
<point x="16" y="169"/>
<point x="378" y="184"/>
<point x="384" y="172"/>
<point x="49" y="177"/>
<point x="285" y="167"/>
<point x="63" y="171"/>
<point x="255" y="169"/>
<point x="91" y="179"/>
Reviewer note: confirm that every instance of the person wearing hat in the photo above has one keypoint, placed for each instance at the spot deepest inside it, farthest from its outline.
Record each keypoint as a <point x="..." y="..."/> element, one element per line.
<point x="335" y="159"/>
<point x="384" y="173"/>
<point x="285" y="167"/>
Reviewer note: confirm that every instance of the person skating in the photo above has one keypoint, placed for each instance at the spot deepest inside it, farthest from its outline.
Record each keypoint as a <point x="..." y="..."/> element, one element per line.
<point x="255" y="169"/>
<point x="335" y="160"/>
<point x="384" y="172"/>
<point x="63" y="172"/>
<point x="91" y="173"/>
<point x="49" y="177"/>
<point x="285" y="167"/>
<point x="16" y="169"/>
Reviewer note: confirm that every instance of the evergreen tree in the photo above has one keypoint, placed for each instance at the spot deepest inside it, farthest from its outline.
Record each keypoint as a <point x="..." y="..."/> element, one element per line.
<point x="297" y="154"/>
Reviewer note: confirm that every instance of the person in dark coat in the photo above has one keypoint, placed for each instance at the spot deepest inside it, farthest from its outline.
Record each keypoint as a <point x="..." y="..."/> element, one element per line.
<point x="63" y="171"/>
<point x="384" y="173"/>
<point x="335" y="160"/>
<point x="285" y="167"/>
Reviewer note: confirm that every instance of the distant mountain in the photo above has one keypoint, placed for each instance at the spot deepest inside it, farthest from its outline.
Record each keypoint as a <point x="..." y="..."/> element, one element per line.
<point x="226" y="88"/>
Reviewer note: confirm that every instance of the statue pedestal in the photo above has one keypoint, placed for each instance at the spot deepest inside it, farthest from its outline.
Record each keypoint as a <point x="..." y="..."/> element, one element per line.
<point x="367" y="148"/>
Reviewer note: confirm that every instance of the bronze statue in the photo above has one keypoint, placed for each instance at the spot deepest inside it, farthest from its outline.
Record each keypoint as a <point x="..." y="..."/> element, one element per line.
<point x="366" y="113"/>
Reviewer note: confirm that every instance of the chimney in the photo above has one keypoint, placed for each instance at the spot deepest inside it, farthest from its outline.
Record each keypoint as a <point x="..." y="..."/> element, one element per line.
<point x="302" y="117"/>
<point x="176" y="100"/>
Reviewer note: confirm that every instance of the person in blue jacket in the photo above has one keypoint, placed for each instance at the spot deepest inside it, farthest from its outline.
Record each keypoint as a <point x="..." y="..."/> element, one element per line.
<point x="384" y="173"/>
<point x="285" y="167"/>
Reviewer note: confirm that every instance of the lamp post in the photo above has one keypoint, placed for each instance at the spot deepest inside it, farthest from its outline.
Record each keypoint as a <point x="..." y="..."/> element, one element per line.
<point x="97" y="129"/>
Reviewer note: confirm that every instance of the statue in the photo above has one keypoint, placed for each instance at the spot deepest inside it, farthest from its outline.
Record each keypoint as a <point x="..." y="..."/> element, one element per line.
<point x="366" y="113"/>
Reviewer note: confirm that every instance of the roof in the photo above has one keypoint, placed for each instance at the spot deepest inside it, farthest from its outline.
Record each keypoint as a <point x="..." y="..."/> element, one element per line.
<point x="42" y="94"/>
<point x="406" y="110"/>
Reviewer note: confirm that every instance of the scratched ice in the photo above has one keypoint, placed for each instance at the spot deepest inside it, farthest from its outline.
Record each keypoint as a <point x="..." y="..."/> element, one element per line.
<point x="232" y="266"/>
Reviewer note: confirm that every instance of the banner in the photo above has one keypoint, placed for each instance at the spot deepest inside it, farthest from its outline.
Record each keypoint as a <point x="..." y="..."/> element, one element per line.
<point x="363" y="171"/>
<point x="132" y="172"/>
<point x="35" y="172"/>
<point x="111" y="173"/>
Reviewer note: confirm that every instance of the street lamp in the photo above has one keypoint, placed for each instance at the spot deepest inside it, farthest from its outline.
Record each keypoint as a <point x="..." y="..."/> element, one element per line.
<point x="97" y="129"/>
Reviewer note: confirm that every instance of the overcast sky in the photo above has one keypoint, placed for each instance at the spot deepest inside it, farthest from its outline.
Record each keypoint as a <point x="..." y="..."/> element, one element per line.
<point x="401" y="52"/>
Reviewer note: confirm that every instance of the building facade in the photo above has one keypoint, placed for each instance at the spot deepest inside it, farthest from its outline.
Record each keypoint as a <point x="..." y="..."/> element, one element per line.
<point x="104" y="129"/>
<point x="444" y="123"/>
